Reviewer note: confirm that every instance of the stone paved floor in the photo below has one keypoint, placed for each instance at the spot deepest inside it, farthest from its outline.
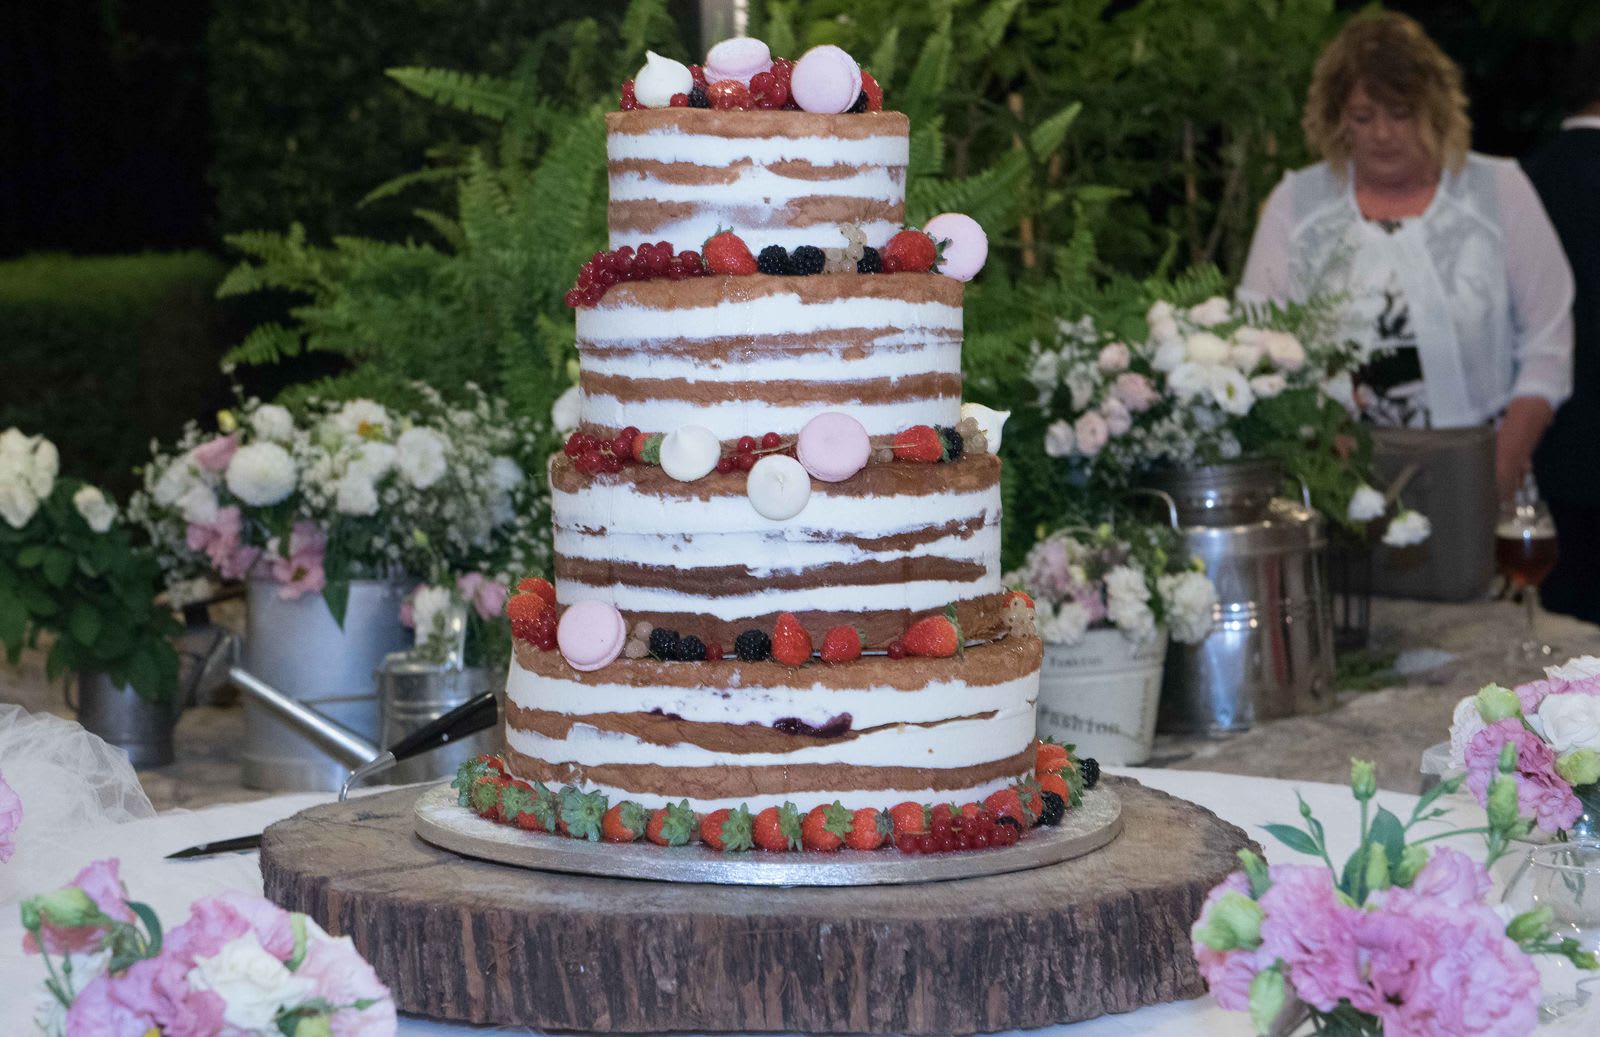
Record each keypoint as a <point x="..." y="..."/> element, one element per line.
<point x="1391" y="726"/>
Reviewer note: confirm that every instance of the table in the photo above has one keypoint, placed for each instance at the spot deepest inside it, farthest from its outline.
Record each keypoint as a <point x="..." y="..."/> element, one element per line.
<point x="169" y="886"/>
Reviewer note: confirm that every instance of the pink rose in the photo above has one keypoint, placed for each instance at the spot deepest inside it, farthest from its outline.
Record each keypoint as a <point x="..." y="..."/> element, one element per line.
<point x="301" y="572"/>
<point x="1312" y="931"/>
<point x="1091" y="432"/>
<point x="10" y="819"/>
<point x="103" y="886"/>
<point x="343" y="977"/>
<point x="1135" y="391"/>
<point x="1542" y="793"/>
<point x="1227" y="973"/>
<point x="1118" y="418"/>
<point x="1453" y="878"/>
<point x="214" y="455"/>
<point x="1113" y="358"/>
<point x="488" y="596"/>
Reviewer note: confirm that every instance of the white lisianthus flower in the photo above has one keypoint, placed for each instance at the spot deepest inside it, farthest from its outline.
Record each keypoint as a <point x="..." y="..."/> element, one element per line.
<point x="1189" y="381"/>
<point x="1232" y="393"/>
<point x="1285" y="350"/>
<point x="1117" y="417"/>
<point x="198" y="504"/>
<point x="18" y="502"/>
<point x="15" y="446"/>
<point x="1215" y="310"/>
<point x="1266" y="386"/>
<point x="253" y="985"/>
<point x="1571" y="722"/>
<point x="1206" y="348"/>
<point x="363" y="419"/>
<point x="1170" y="354"/>
<point x="1366" y="504"/>
<point x="1581" y="668"/>
<point x="272" y="422"/>
<point x="373" y="461"/>
<point x="1066" y="626"/>
<point x="421" y="457"/>
<point x="564" y="413"/>
<point x="1465" y="724"/>
<point x="355" y="495"/>
<point x="46" y="464"/>
<point x="1407" y="528"/>
<point x="1191" y="601"/>
<point x="96" y="510"/>
<point x="1244" y="356"/>
<point x="1059" y="439"/>
<point x="261" y="474"/>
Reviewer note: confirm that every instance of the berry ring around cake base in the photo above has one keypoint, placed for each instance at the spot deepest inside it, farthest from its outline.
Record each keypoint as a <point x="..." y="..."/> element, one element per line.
<point x="440" y="821"/>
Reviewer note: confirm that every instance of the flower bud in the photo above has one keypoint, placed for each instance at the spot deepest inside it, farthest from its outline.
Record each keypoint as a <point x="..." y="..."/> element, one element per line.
<point x="1502" y="806"/>
<point x="68" y="907"/>
<point x="1377" y="874"/>
<point x="1233" y="923"/>
<point x="1531" y="925"/>
<point x="1497" y="703"/>
<point x="1363" y="779"/>
<point x="313" y="1026"/>
<point x="226" y="422"/>
<point x="1268" y="994"/>
<point x="1579" y="767"/>
<point x="1412" y="860"/>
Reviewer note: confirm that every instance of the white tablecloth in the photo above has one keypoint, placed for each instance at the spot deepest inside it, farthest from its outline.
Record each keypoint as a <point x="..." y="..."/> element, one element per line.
<point x="169" y="886"/>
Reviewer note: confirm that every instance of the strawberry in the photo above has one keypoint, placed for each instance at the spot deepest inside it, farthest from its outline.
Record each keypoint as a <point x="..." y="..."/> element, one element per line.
<point x="672" y="825"/>
<point x="935" y="637"/>
<point x="841" y="645"/>
<point x="727" y="830"/>
<point x="868" y="829"/>
<point x="940" y="815"/>
<point x="485" y="796"/>
<point x="777" y="829"/>
<point x="582" y="814"/>
<point x="726" y="253"/>
<point x="636" y="448"/>
<point x="468" y="774"/>
<point x="624" y="823"/>
<point x="540" y="587"/>
<point x="546" y="809"/>
<point x="1021" y="596"/>
<point x="921" y="443"/>
<point x="1054" y="782"/>
<point x="825" y="827"/>
<point x="524" y="611"/>
<point x="516" y="805"/>
<point x="791" y="645"/>
<point x="1049" y="758"/>
<point x="1032" y="798"/>
<point x="909" y="818"/>
<point x="909" y="252"/>
<point x="1007" y="803"/>
<point x="874" y="92"/>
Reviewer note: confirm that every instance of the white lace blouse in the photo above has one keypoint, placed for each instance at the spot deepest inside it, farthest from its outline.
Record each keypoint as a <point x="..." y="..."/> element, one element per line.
<point x="1481" y="270"/>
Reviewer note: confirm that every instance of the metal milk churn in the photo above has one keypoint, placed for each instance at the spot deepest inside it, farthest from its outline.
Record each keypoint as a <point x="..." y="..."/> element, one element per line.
<point x="1270" y="651"/>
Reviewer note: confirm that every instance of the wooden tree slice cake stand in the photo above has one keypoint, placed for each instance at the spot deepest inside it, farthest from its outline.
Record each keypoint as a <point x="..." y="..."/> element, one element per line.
<point x="470" y="941"/>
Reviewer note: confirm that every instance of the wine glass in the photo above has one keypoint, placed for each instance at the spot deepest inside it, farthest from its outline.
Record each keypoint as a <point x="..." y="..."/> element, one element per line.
<point x="1525" y="552"/>
<point x="1564" y="877"/>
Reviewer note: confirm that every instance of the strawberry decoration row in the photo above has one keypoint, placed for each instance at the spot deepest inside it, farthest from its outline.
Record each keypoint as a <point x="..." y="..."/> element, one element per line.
<point x="741" y="74"/>
<point x="951" y="244"/>
<point x="1058" y="783"/>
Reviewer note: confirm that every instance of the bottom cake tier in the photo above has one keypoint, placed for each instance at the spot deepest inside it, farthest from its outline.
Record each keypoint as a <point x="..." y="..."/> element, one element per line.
<point x="869" y="733"/>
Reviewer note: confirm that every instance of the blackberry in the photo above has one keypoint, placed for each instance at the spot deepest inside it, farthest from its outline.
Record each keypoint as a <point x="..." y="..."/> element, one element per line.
<point x="664" y="644"/>
<point x="870" y="262"/>
<point x="952" y="443"/>
<point x="698" y="98"/>
<point x="774" y="260"/>
<point x="752" y="646"/>
<point x="691" y="649"/>
<point x="1054" y="809"/>
<point x="1091" y="772"/>
<point x="808" y="259"/>
<point x="861" y="103"/>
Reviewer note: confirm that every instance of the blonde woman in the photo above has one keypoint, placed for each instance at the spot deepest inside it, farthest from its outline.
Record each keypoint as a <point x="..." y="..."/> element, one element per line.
<point x="1454" y="279"/>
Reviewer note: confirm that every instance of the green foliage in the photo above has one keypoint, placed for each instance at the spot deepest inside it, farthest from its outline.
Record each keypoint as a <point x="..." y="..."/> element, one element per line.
<point x="101" y="354"/>
<point x="92" y="592"/>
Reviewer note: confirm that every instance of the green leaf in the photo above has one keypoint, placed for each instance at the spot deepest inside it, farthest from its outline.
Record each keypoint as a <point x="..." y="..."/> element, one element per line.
<point x="13" y="622"/>
<point x="337" y="594"/>
<point x="57" y="566"/>
<point x="152" y="926"/>
<point x="1389" y="833"/>
<point x="84" y="623"/>
<point x="31" y="556"/>
<point x="1294" y="839"/>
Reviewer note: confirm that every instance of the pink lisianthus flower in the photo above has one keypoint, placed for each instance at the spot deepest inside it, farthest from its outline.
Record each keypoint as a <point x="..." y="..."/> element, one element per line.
<point x="1535" y="692"/>
<point x="342" y="977"/>
<point x="102" y="884"/>
<point x="1471" y="980"/>
<point x="214" y="455"/>
<point x="1452" y="878"/>
<point x="300" y="571"/>
<point x="1542" y="793"/>
<point x="10" y="819"/>
<point x="221" y="541"/>
<point x="487" y="595"/>
<point x="1227" y="973"/>
<point x="1135" y="391"/>
<point x="1390" y="956"/>
<point x="1312" y="931"/>
<point x="96" y="1010"/>
<point x="270" y="923"/>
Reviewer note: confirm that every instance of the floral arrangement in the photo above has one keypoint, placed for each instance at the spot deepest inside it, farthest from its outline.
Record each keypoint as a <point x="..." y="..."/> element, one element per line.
<point x="68" y="568"/>
<point x="1134" y="579"/>
<point x="1208" y="384"/>
<point x="1552" y="726"/>
<point x="313" y="498"/>
<point x="1399" y="941"/>
<point x="10" y="819"/>
<point x="238" y="965"/>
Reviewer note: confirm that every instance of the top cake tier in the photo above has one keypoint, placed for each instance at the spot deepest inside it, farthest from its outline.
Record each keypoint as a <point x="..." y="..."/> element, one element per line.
<point x="777" y="177"/>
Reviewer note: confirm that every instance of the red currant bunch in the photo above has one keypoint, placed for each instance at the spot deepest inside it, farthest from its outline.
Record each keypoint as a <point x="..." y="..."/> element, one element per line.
<point x="651" y="261"/>
<point x="978" y="830"/>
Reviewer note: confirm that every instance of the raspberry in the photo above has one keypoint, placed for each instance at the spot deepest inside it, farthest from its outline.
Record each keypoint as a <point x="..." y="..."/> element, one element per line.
<point x="774" y="260"/>
<point x="679" y="101"/>
<point x="870" y="262"/>
<point x="808" y="259"/>
<point x="664" y="644"/>
<point x="752" y="646"/>
<point x="897" y="650"/>
<point x="769" y="91"/>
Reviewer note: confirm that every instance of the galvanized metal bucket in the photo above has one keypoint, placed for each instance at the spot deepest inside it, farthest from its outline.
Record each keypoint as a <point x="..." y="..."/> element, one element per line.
<point x="1101" y="695"/>
<point x="298" y="648"/>
<point x="412" y="692"/>
<point x="117" y="714"/>
<point x="1270" y="650"/>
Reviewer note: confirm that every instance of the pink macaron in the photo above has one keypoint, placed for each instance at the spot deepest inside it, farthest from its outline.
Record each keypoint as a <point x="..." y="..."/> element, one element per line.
<point x="739" y="59"/>
<point x="833" y="446"/>
<point x="826" y="79"/>
<point x="968" y="247"/>
<point x="591" y="635"/>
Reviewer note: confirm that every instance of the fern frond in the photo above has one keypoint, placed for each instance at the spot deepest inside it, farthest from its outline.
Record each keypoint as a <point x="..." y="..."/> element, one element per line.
<point x="645" y="25"/>
<point x="884" y="56"/>
<point x="994" y="21"/>
<point x="394" y="185"/>
<point x="923" y="95"/>
<point x="443" y="226"/>
<point x="488" y="96"/>
<point x="1050" y="134"/>
<point x="927" y="149"/>
<point x="266" y="344"/>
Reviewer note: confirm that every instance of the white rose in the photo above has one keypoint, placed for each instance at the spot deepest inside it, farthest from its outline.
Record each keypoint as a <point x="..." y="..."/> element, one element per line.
<point x="1266" y="386"/>
<point x="1066" y="626"/>
<point x="174" y="482"/>
<point x="253" y="985"/>
<point x="261" y="474"/>
<point x="1244" y="357"/>
<point x="15" y="446"/>
<point x="1117" y="416"/>
<point x="1170" y="353"/>
<point x="355" y="495"/>
<point x="422" y="453"/>
<point x="1191" y="601"/>
<point x="1231" y="391"/>
<point x="429" y="608"/>
<point x="272" y="422"/>
<point x="1581" y="668"/>
<point x="373" y="461"/>
<point x="1407" y="528"/>
<point x="1206" y="348"/>
<point x="1113" y="358"/>
<point x="1285" y="350"/>
<point x="1058" y="438"/>
<point x="46" y="463"/>
<point x="17" y="501"/>
<point x="1366" y="504"/>
<point x="1571" y="722"/>
<point x="1189" y="381"/>
<point x="1465" y="724"/>
<point x="363" y="419"/>
<point x="95" y="508"/>
<point x="1127" y="598"/>
<point x="565" y="412"/>
<point x="1091" y="433"/>
<point x="1215" y="310"/>
<point x="198" y="504"/>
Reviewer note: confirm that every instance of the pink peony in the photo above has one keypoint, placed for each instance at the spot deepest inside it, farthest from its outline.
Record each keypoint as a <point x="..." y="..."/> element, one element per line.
<point x="343" y="977"/>
<point x="1312" y="931"/>
<point x="1227" y="973"/>
<point x="100" y="881"/>
<point x="1135" y="391"/>
<point x="1471" y="980"/>
<point x="1542" y="793"/>
<point x="1452" y="878"/>
<point x="487" y="595"/>
<point x="301" y="571"/>
<point x="214" y="455"/>
<point x="10" y="819"/>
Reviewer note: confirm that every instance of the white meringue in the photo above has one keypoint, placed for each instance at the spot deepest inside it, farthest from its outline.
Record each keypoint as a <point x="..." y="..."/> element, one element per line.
<point x="660" y="78"/>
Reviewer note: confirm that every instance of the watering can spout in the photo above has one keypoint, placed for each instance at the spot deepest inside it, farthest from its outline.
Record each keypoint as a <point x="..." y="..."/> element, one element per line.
<point x="339" y="741"/>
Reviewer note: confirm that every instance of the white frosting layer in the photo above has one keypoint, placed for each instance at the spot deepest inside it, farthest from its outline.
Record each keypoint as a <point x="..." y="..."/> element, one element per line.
<point x="772" y="188"/>
<point x="611" y="324"/>
<point x="918" y="596"/>
<point x="730" y="420"/>
<point x="666" y="144"/>
<point x="853" y="799"/>
<point x="892" y="355"/>
<point x="766" y="553"/>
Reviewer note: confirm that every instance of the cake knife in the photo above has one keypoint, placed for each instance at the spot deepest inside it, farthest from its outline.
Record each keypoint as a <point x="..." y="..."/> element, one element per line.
<point x="472" y="716"/>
